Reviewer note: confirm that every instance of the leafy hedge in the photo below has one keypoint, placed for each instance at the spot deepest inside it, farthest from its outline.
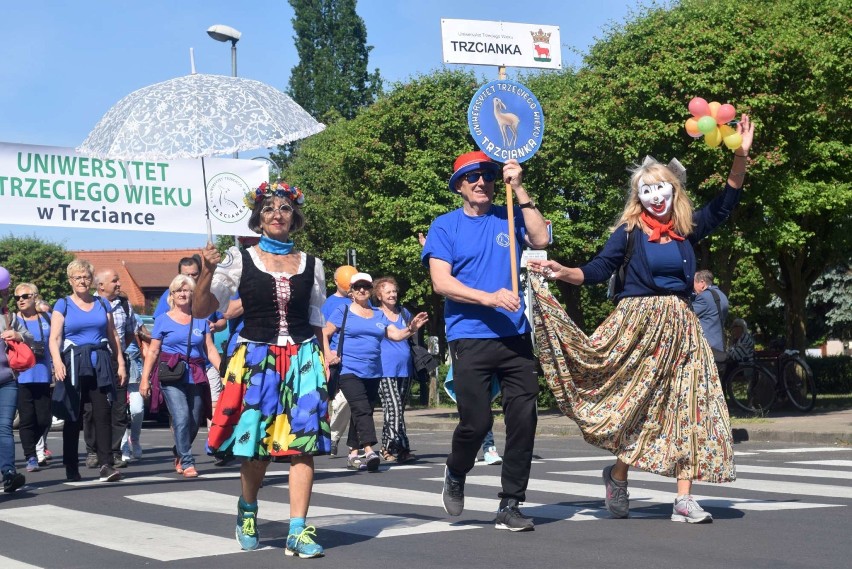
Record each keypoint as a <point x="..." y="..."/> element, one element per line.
<point x="833" y="374"/>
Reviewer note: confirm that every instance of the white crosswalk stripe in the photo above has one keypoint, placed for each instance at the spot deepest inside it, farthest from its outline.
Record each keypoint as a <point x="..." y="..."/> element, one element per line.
<point x="385" y="506"/>
<point x="154" y="541"/>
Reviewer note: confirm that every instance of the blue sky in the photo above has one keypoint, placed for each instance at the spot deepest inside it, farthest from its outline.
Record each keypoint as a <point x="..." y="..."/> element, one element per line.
<point x="64" y="64"/>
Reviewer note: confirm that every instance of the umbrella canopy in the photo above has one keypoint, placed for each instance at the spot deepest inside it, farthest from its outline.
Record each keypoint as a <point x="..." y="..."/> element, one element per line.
<point x="198" y="115"/>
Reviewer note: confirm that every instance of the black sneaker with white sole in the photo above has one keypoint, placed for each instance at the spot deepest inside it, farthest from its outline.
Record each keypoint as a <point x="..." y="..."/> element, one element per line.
<point x="510" y="517"/>
<point x="453" y="493"/>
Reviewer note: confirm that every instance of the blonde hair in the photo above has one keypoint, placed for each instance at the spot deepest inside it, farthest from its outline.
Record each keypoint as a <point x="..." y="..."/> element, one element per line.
<point x="681" y="204"/>
<point x="78" y="265"/>
<point x="33" y="289"/>
<point x="178" y="283"/>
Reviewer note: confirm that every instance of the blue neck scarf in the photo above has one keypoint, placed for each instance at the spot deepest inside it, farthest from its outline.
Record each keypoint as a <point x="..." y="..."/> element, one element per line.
<point x="268" y="245"/>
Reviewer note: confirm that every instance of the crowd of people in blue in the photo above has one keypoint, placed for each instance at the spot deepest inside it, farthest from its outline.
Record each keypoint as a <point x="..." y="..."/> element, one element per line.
<point x="301" y="366"/>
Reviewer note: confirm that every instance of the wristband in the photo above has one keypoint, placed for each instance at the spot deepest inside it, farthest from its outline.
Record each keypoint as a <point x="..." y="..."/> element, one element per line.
<point x="528" y="205"/>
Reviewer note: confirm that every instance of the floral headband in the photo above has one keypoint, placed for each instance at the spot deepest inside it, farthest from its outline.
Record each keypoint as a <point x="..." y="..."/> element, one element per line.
<point x="278" y="189"/>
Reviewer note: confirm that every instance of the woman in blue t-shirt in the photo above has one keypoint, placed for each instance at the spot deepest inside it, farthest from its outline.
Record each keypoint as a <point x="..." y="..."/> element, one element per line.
<point x="34" y="383"/>
<point x="174" y="333"/>
<point x="397" y="371"/>
<point x="82" y="334"/>
<point x="361" y="360"/>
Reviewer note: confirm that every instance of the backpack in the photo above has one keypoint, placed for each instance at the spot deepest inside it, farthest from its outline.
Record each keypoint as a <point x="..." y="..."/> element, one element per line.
<point x="616" y="281"/>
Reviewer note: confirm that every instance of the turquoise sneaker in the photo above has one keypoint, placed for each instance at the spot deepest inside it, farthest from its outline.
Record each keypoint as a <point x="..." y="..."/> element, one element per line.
<point x="303" y="545"/>
<point x="247" y="534"/>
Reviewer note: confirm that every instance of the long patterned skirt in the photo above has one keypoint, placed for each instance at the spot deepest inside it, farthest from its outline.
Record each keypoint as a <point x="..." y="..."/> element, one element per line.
<point x="643" y="386"/>
<point x="274" y="404"/>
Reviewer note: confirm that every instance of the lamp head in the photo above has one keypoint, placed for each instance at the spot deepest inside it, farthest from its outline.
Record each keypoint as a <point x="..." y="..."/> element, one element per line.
<point x="224" y="33"/>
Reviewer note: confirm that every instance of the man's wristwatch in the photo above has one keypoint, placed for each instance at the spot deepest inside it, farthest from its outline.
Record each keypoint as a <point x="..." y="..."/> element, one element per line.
<point x="528" y="205"/>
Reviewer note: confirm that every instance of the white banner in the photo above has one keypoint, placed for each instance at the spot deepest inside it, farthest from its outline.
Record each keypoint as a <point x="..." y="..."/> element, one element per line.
<point x="480" y="42"/>
<point x="57" y="187"/>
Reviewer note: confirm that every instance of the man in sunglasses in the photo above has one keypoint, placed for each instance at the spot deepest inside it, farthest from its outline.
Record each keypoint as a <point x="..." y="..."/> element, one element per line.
<point x="467" y="252"/>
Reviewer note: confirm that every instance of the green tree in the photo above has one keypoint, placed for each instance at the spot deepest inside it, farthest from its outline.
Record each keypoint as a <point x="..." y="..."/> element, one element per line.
<point x="785" y="63"/>
<point x="830" y="305"/>
<point x="30" y="259"/>
<point x="332" y="75"/>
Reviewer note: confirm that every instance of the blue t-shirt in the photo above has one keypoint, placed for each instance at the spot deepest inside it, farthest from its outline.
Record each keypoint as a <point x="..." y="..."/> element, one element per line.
<point x="362" y="354"/>
<point x="477" y="248"/>
<point x="40" y="372"/>
<point x="174" y="335"/>
<point x="666" y="264"/>
<point x="83" y="327"/>
<point x="328" y="307"/>
<point x="162" y="305"/>
<point x="396" y="356"/>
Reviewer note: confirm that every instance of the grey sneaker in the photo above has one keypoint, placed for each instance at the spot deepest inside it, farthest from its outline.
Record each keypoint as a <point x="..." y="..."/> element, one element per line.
<point x="686" y="509"/>
<point x="511" y="518"/>
<point x="92" y="460"/>
<point x="109" y="474"/>
<point x="333" y="452"/>
<point x="118" y="461"/>
<point x="453" y="493"/>
<point x="617" y="497"/>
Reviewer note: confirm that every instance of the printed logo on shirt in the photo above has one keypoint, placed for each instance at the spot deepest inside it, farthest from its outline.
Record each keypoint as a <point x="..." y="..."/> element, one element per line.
<point x="197" y="332"/>
<point x="503" y="240"/>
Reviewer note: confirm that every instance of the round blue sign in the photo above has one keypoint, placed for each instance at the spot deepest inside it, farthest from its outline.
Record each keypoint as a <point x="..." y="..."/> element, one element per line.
<point x="506" y="121"/>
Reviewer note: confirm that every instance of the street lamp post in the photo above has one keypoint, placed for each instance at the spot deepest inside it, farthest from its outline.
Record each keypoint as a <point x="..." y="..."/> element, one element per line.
<point x="223" y="33"/>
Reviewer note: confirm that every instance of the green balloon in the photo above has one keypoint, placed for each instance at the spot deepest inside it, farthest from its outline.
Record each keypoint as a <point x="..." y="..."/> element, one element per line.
<point x="707" y="124"/>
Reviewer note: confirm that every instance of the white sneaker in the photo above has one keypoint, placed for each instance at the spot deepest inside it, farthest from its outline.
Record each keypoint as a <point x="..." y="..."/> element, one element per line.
<point x="686" y="509"/>
<point x="492" y="457"/>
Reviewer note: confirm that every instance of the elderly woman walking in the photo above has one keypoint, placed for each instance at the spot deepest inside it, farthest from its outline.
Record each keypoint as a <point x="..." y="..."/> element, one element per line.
<point x="274" y="406"/>
<point x="81" y="334"/>
<point x="644" y="385"/>
<point x="183" y="343"/>
<point x="11" y="329"/>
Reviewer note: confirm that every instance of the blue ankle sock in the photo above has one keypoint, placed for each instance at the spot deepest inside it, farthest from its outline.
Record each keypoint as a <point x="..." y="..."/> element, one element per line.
<point x="296" y="526"/>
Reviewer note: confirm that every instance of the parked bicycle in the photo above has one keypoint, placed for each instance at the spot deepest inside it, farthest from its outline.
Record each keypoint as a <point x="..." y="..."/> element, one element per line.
<point x="755" y="386"/>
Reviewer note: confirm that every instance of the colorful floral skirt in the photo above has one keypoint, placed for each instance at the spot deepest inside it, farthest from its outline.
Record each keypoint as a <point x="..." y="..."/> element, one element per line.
<point x="274" y="404"/>
<point x="643" y="386"/>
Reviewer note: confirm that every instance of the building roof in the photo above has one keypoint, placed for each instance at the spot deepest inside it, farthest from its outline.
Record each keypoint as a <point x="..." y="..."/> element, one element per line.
<point x="139" y="268"/>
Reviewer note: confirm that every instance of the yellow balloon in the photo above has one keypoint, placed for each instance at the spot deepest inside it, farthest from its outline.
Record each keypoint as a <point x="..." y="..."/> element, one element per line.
<point x="726" y="130"/>
<point x="713" y="138"/>
<point x="733" y="141"/>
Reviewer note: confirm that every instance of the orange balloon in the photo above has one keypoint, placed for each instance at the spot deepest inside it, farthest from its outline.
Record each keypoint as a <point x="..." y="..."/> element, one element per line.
<point x="342" y="276"/>
<point x="692" y="127"/>
<point x="714" y="108"/>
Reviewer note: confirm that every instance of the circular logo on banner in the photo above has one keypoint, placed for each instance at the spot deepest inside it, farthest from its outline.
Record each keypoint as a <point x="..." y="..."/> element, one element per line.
<point x="506" y="121"/>
<point x="225" y="193"/>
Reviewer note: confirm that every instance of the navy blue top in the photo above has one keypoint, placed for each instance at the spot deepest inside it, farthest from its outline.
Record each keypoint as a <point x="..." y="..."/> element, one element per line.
<point x="639" y="277"/>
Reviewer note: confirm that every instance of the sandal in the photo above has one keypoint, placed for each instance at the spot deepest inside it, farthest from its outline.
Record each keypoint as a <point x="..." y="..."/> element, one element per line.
<point x="406" y="456"/>
<point x="373" y="462"/>
<point x="388" y="456"/>
<point x="354" y="462"/>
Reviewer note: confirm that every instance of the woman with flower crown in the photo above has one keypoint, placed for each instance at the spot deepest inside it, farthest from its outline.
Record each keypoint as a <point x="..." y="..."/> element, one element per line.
<point x="644" y="385"/>
<point x="274" y="403"/>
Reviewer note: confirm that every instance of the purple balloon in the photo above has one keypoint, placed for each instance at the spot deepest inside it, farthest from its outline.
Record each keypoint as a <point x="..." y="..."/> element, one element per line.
<point x="5" y="278"/>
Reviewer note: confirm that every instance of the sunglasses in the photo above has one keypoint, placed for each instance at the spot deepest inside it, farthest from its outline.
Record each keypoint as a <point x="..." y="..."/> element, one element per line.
<point x="361" y="286"/>
<point x="473" y="177"/>
<point x="269" y="211"/>
<point x="18" y="297"/>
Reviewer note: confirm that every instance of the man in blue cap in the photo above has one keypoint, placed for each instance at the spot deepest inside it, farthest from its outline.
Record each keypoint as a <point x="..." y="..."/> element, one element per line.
<point x="468" y="256"/>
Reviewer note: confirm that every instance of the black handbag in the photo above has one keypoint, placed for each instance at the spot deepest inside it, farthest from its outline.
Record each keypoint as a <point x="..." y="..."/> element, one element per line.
<point x="39" y="347"/>
<point x="175" y="374"/>
<point x="334" y="370"/>
<point x="424" y="362"/>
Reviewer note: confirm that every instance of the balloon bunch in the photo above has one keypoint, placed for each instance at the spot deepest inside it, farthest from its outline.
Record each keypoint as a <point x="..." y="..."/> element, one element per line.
<point x="710" y="120"/>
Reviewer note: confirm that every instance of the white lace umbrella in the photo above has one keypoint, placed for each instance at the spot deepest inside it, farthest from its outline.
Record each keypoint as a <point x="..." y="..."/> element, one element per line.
<point x="196" y="116"/>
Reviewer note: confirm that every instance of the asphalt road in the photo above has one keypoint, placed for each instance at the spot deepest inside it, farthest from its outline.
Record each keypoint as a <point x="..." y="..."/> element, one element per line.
<point x="789" y="508"/>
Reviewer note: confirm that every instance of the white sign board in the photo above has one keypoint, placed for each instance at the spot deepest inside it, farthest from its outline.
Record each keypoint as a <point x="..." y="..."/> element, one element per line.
<point x="532" y="255"/>
<point x="57" y="187"/>
<point x="481" y="42"/>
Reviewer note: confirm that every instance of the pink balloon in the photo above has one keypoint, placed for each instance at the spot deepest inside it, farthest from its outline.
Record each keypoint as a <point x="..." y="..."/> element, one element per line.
<point x="699" y="107"/>
<point x="726" y="113"/>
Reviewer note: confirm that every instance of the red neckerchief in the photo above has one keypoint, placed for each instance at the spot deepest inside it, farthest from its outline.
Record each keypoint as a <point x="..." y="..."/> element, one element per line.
<point x="659" y="229"/>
